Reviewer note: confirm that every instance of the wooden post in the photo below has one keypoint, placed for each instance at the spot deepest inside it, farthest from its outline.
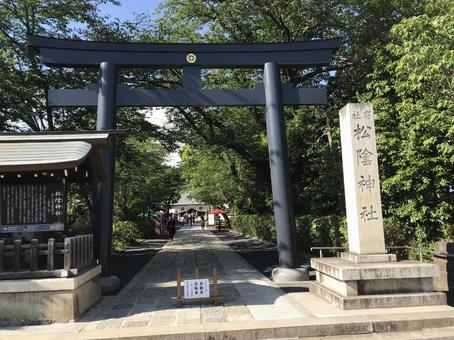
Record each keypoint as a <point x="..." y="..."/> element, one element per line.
<point x="2" y="243"/>
<point x="68" y="254"/>
<point x="90" y="248"/>
<point x="79" y="251"/>
<point x="74" y="263"/>
<point x="34" y="254"/>
<point x="17" y="255"/>
<point x="178" y="283"/>
<point x="215" y="282"/>
<point x="50" y="253"/>
<point x="85" y="250"/>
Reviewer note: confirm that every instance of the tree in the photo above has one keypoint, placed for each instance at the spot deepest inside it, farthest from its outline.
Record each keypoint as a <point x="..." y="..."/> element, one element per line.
<point x="142" y="180"/>
<point x="412" y="89"/>
<point x="240" y="132"/>
<point x="24" y="81"/>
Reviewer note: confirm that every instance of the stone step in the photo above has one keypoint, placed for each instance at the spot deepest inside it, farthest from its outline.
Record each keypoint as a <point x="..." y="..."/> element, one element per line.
<point x="352" y="327"/>
<point x="445" y="333"/>
<point x="379" y="300"/>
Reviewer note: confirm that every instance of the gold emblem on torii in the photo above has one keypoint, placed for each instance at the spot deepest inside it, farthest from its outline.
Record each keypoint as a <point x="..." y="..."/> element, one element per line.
<point x="191" y="58"/>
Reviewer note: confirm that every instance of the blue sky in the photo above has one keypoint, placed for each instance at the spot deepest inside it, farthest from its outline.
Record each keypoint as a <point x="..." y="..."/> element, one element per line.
<point x="129" y="8"/>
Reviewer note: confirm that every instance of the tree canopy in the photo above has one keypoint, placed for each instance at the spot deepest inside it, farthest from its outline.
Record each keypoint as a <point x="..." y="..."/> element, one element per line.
<point x="397" y="54"/>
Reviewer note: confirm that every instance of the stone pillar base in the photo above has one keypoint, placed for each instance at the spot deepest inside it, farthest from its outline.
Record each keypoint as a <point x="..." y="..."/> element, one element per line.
<point x="37" y="301"/>
<point x="289" y="275"/>
<point x="109" y="285"/>
<point x="350" y="285"/>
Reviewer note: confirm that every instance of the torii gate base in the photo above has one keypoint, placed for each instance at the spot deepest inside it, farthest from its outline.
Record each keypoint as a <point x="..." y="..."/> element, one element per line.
<point x="192" y="58"/>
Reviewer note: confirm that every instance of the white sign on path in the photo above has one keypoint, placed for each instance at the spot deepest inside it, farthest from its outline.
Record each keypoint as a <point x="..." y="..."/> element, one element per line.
<point x="199" y="288"/>
<point x="361" y="182"/>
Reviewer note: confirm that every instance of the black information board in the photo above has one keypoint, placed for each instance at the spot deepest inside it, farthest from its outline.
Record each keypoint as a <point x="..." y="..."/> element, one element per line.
<point x="32" y="207"/>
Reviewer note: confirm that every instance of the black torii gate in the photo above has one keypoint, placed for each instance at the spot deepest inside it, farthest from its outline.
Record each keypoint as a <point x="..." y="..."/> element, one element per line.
<point x="192" y="58"/>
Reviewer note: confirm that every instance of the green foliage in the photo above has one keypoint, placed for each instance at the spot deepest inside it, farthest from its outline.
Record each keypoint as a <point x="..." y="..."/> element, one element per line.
<point x="259" y="226"/>
<point x="412" y="91"/>
<point x="228" y="157"/>
<point x="124" y="234"/>
<point x="81" y="225"/>
<point x="143" y="181"/>
<point x="402" y="48"/>
<point x="24" y="81"/>
<point x="324" y="231"/>
<point x="311" y="231"/>
<point x="146" y="228"/>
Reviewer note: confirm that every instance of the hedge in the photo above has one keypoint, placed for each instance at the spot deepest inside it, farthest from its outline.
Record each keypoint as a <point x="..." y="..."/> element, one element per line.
<point x="311" y="231"/>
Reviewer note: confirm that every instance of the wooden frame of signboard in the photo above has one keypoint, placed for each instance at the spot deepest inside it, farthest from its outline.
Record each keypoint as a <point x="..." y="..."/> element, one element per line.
<point x="214" y="297"/>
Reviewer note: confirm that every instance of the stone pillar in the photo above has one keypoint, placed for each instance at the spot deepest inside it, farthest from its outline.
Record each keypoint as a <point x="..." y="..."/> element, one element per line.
<point x="280" y="179"/>
<point x="104" y="195"/>
<point x="361" y="181"/>
<point x="367" y="277"/>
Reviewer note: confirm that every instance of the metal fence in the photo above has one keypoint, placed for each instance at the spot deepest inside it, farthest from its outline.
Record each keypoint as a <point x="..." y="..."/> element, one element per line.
<point x="420" y="251"/>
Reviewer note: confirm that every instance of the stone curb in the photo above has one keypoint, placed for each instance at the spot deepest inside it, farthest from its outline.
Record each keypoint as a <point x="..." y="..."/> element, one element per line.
<point x="308" y="327"/>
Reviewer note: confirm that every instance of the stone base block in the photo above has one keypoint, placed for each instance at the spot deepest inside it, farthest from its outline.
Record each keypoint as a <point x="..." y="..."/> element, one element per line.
<point x="444" y="247"/>
<point x="368" y="258"/>
<point x="371" y="287"/>
<point x="444" y="281"/>
<point x="289" y="275"/>
<point x="346" y="271"/>
<point x="36" y="301"/>
<point x="350" y="285"/>
<point x="378" y="301"/>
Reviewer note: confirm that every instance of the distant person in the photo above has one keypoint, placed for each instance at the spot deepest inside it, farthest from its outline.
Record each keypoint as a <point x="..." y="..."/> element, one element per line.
<point x="171" y="228"/>
<point x="202" y="221"/>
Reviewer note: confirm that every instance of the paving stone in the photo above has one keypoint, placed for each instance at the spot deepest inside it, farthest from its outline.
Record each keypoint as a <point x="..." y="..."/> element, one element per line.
<point x="133" y="293"/>
<point x="144" y="308"/>
<point x="109" y="324"/>
<point x="162" y="320"/>
<point x="236" y="310"/>
<point x="135" y="323"/>
<point x="118" y="313"/>
<point x="147" y="300"/>
<point x="123" y="306"/>
<point x="239" y="317"/>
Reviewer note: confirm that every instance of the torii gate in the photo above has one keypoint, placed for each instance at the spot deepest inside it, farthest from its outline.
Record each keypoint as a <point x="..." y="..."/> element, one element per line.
<point x="109" y="56"/>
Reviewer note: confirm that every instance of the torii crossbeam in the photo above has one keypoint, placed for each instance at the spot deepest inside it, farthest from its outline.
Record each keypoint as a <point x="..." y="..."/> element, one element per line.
<point x="192" y="58"/>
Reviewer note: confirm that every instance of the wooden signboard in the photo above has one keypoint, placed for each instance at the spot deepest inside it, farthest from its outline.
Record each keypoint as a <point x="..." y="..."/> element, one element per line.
<point x="204" y="293"/>
<point x="32" y="207"/>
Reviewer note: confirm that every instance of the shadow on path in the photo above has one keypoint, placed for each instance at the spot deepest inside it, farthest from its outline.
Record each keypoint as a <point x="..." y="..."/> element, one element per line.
<point x="261" y="256"/>
<point x="127" y="264"/>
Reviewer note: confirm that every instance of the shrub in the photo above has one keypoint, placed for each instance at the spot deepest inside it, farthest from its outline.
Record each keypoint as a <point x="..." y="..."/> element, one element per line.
<point x="146" y="228"/>
<point x="81" y="225"/>
<point x="124" y="234"/>
<point x="260" y="226"/>
<point x="311" y="231"/>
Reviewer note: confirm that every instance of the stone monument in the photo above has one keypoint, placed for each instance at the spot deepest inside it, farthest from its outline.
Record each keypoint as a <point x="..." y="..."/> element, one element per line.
<point x="367" y="276"/>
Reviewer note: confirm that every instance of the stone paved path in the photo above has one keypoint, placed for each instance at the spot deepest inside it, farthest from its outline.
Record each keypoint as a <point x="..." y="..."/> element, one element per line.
<point x="254" y="306"/>
<point x="145" y="301"/>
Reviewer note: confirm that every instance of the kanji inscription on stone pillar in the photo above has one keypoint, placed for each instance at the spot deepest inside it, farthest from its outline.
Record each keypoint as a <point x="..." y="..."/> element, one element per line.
<point x="361" y="182"/>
